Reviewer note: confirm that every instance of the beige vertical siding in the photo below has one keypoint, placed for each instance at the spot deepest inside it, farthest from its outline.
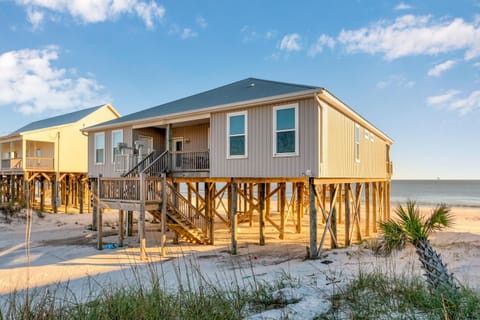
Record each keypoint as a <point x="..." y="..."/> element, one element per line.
<point x="260" y="161"/>
<point x="107" y="169"/>
<point x="340" y="153"/>
<point x="157" y="134"/>
<point x="195" y="138"/>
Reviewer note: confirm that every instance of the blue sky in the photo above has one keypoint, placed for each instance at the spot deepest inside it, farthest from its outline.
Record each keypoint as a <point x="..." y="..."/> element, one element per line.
<point x="411" y="68"/>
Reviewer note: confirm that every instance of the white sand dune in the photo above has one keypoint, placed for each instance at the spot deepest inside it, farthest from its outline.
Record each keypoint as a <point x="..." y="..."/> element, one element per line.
<point x="63" y="254"/>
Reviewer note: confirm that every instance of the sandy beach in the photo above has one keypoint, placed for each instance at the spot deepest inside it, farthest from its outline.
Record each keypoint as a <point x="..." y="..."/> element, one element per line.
<point x="62" y="254"/>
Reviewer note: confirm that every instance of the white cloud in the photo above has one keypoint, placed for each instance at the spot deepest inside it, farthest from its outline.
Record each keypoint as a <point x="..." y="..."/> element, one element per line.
<point x="443" y="98"/>
<point x="94" y="11"/>
<point x="437" y="70"/>
<point x="202" y="22"/>
<point x="322" y="41"/>
<point x="415" y="35"/>
<point x="290" y="42"/>
<point x="396" y="80"/>
<point x="467" y="104"/>
<point x="188" y="33"/>
<point x="250" y="33"/>
<point x="32" y="84"/>
<point x="184" y="33"/>
<point x="403" y="6"/>
<point x="451" y="101"/>
<point x="35" y="18"/>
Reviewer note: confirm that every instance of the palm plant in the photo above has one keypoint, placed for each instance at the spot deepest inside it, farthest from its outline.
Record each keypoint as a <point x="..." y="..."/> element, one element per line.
<point x="415" y="228"/>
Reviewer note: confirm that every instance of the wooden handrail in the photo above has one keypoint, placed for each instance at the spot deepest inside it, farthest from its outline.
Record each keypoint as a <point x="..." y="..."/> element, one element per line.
<point x="139" y="167"/>
<point x="188" y="211"/>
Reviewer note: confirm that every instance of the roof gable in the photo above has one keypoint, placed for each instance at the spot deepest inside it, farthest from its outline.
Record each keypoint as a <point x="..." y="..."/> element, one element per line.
<point x="237" y="92"/>
<point x="58" y="120"/>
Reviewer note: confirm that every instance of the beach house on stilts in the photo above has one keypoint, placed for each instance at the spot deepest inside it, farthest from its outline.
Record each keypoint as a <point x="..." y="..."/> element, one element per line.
<point x="225" y="154"/>
<point x="44" y="163"/>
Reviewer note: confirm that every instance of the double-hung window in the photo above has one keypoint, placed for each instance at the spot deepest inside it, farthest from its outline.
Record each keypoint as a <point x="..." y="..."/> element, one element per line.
<point x="237" y="140"/>
<point x="357" y="143"/>
<point x="100" y="148"/>
<point x="285" y="130"/>
<point x="117" y="137"/>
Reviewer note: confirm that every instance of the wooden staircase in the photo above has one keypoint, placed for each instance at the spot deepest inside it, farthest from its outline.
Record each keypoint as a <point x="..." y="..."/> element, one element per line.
<point x="183" y="218"/>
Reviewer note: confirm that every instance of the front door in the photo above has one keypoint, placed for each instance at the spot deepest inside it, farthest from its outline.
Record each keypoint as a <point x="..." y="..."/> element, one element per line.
<point x="177" y="152"/>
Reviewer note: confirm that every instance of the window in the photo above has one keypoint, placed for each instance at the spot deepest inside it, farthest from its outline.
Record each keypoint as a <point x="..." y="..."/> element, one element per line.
<point x="237" y="135"/>
<point x="371" y="137"/>
<point x="285" y="130"/>
<point x="367" y="134"/>
<point x="117" y="137"/>
<point x="357" y="143"/>
<point x="99" y="148"/>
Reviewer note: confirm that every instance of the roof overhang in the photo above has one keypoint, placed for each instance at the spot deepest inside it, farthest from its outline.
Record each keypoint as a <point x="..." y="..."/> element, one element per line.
<point x="203" y="113"/>
<point x="327" y="97"/>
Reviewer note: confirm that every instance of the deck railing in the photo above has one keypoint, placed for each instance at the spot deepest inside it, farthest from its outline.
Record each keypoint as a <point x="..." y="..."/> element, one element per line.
<point x="35" y="163"/>
<point x="128" y="189"/>
<point x="190" y="161"/>
<point x="187" y="210"/>
<point x="42" y="163"/>
<point x="157" y="166"/>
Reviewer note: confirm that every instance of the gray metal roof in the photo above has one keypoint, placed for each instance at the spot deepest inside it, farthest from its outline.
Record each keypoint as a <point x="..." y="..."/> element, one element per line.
<point x="236" y="92"/>
<point x="58" y="120"/>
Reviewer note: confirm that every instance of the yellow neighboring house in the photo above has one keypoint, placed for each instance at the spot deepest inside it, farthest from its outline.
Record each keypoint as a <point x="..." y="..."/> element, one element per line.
<point x="49" y="159"/>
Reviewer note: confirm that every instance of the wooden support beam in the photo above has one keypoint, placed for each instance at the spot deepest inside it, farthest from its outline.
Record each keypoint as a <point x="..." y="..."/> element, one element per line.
<point x="163" y="221"/>
<point x="81" y="195"/>
<point x="283" y="196"/>
<point x="42" y="194"/>
<point x="250" y="196"/>
<point x="347" y="214"/>
<point x="121" y="229"/>
<point x="100" y="229"/>
<point x="367" y="209"/>
<point x="313" y="253"/>
<point x="141" y="220"/>
<point x="267" y="199"/>
<point x="334" y="192"/>
<point x="299" y="206"/>
<point x="209" y="202"/>
<point x="339" y="203"/>
<point x="233" y="216"/>
<point x="129" y="223"/>
<point x="261" y="219"/>
<point x="357" y="210"/>
<point x="374" y="208"/>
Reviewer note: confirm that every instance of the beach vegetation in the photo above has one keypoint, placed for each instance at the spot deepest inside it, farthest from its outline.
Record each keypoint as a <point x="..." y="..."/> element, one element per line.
<point x="410" y="226"/>
<point x="387" y="295"/>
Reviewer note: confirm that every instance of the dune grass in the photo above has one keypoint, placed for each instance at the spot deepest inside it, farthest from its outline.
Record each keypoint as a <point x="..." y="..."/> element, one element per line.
<point x="377" y="295"/>
<point x="193" y="297"/>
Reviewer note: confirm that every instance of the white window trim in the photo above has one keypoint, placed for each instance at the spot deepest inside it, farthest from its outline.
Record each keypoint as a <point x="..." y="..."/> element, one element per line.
<point x="113" y="146"/>
<point x="274" y="146"/>
<point x="367" y="134"/>
<point x="95" y="147"/>
<point x="357" y="127"/>
<point x="233" y="114"/>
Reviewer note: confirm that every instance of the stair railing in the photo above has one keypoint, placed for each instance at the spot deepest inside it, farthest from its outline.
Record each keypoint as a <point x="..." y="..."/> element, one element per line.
<point x="181" y="205"/>
<point x="158" y="166"/>
<point x="139" y="167"/>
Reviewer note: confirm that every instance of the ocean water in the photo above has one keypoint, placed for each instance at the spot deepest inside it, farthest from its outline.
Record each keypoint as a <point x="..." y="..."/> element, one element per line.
<point x="458" y="193"/>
